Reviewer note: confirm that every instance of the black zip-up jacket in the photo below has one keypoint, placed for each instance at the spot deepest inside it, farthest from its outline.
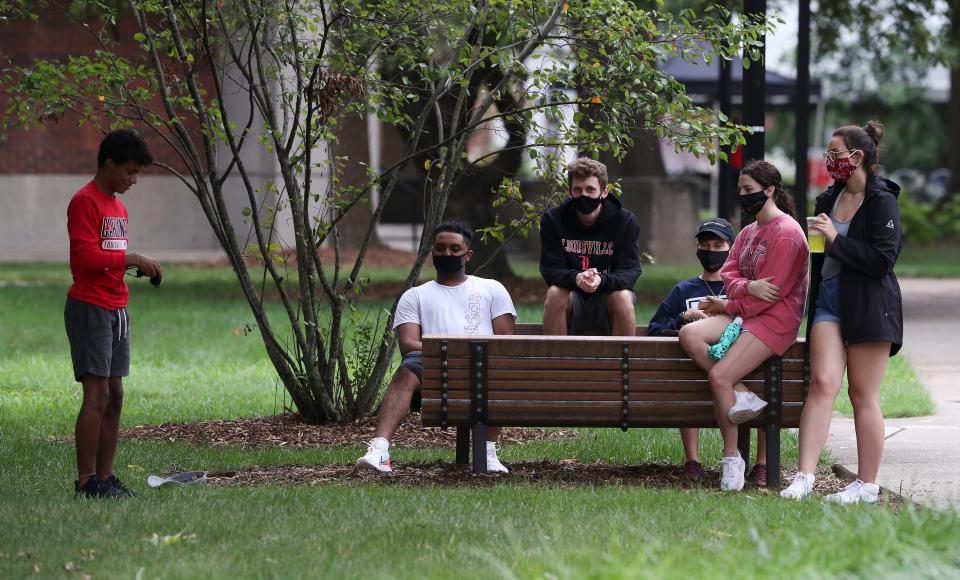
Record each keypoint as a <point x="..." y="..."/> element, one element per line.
<point x="871" y="307"/>
<point x="611" y="245"/>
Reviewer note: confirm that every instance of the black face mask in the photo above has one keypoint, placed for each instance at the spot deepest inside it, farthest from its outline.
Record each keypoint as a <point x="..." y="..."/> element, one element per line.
<point x="711" y="260"/>
<point x="752" y="203"/>
<point x="587" y="205"/>
<point x="448" y="265"/>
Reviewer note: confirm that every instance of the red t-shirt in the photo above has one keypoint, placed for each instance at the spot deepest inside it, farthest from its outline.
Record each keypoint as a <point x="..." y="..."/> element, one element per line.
<point x="97" y="225"/>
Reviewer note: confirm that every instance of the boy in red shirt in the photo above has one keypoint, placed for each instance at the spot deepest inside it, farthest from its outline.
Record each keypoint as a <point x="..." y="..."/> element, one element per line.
<point x="95" y="315"/>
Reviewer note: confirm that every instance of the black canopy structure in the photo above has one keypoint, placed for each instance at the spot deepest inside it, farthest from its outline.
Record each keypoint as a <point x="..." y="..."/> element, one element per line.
<point x="702" y="80"/>
<point x="718" y="82"/>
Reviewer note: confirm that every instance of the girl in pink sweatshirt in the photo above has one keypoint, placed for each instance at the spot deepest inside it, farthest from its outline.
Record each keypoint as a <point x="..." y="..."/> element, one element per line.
<point x="766" y="280"/>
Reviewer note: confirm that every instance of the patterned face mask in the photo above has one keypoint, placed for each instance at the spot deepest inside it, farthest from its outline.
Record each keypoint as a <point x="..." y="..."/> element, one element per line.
<point x="841" y="169"/>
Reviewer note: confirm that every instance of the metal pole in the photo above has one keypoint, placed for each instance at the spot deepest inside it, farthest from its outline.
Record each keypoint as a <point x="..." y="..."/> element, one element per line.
<point x="755" y="90"/>
<point x="754" y="97"/>
<point x="802" y="104"/>
<point x="725" y="178"/>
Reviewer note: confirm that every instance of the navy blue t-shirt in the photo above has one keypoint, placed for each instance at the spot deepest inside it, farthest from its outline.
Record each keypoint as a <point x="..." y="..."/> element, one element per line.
<point x="684" y="296"/>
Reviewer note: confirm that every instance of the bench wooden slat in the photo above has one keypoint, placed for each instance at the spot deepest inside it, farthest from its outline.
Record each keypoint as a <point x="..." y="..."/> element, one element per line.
<point x="580" y="414"/>
<point x="567" y="347"/>
<point x="684" y="365"/>
<point x="594" y="375"/>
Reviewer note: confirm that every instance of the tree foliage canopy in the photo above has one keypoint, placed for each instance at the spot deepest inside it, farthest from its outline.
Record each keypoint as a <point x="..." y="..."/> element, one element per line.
<point x="444" y="70"/>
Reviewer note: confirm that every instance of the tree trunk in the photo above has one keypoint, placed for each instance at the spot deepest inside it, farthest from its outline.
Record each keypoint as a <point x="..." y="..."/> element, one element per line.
<point x="353" y="143"/>
<point x="643" y="159"/>
<point x="471" y="201"/>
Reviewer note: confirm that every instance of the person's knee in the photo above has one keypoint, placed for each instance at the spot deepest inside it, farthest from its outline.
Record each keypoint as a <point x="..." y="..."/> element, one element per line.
<point x="556" y="299"/>
<point x="822" y="385"/>
<point x="405" y="381"/>
<point x="115" y="402"/>
<point x="718" y="378"/>
<point x="688" y="338"/>
<point x="95" y="400"/>
<point x="620" y="305"/>
<point x="863" y="401"/>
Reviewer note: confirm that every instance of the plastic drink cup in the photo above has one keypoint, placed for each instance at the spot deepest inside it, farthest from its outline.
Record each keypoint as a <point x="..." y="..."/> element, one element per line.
<point x="815" y="239"/>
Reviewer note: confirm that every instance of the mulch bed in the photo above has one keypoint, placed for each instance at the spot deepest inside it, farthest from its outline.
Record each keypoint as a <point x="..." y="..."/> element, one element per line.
<point x="563" y="473"/>
<point x="287" y="430"/>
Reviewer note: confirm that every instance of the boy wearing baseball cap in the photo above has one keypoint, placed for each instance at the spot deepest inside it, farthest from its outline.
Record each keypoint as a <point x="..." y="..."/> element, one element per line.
<point x="681" y="306"/>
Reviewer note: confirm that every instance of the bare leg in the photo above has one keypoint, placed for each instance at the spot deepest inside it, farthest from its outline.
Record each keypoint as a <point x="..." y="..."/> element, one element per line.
<point x="828" y="358"/>
<point x="743" y="357"/>
<point x="556" y="311"/>
<point x="110" y="429"/>
<point x="761" y="447"/>
<point x="87" y="431"/>
<point x="690" y="437"/>
<point x="396" y="405"/>
<point x="866" y="364"/>
<point x="623" y="315"/>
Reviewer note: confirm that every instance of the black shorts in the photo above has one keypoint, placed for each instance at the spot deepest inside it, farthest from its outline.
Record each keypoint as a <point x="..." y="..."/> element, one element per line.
<point x="99" y="339"/>
<point x="413" y="362"/>
<point x="589" y="315"/>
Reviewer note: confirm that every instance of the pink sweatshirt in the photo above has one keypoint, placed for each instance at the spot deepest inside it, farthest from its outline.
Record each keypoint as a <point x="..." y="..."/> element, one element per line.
<point x="779" y="249"/>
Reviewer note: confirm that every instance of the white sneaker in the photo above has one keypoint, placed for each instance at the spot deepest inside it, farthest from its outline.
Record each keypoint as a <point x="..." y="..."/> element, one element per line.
<point x="731" y="476"/>
<point x="746" y="407"/>
<point x="493" y="462"/>
<point x="377" y="457"/>
<point x="856" y="492"/>
<point x="801" y="486"/>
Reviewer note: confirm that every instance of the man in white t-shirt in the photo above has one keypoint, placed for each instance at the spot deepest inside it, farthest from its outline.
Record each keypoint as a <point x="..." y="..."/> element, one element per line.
<point x="454" y="303"/>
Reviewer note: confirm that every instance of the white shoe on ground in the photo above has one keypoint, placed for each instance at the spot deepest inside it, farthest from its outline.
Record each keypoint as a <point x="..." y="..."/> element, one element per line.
<point x="731" y="475"/>
<point x="856" y="492"/>
<point x="493" y="462"/>
<point x="800" y="487"/>
<point x="746" y="407"/>
<point x="377" y="457"/>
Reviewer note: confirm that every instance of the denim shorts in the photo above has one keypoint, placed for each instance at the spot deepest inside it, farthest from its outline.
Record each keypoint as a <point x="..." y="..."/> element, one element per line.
<point x="827" y="308"/>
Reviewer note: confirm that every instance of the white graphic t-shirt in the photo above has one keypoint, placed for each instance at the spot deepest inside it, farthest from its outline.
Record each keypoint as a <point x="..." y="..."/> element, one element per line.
<point x="468" y="308"/>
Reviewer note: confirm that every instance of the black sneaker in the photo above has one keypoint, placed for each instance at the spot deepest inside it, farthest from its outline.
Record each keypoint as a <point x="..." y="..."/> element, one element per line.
<point x="90" y="489"/>
<point x="94" y="488"/>
<point x="114" y="482"/>
<point x="692" y="471"/>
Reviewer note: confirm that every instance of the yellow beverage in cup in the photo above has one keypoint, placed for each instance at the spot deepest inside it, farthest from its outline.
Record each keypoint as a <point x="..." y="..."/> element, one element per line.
<point x="815" y="239"/>
<point x="816" y="243"/>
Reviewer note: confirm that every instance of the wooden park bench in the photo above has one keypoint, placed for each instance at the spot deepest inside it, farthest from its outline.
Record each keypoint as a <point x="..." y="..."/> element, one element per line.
<point x="531" y="380"/>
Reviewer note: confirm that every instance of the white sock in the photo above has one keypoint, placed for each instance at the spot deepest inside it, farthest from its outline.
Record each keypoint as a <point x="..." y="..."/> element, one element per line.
<point x="491" y="445"/>
<point x="380" y="443"/>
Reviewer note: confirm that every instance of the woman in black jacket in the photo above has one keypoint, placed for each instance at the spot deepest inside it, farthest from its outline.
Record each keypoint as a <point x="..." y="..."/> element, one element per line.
<point x="855" y="319"/>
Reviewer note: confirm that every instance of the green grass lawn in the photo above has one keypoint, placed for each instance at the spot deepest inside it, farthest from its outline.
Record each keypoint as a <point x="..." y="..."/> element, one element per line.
<point x="191" y="363"/>
<point x="930" y="261"/>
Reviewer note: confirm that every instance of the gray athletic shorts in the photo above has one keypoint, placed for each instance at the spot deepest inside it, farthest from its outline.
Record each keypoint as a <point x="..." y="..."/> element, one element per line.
<point x="99" y="339"/>
<point x="589" y="314"/>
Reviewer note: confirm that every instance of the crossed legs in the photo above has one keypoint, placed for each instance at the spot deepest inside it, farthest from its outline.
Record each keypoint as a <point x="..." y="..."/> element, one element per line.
<point x="746" y="354"/>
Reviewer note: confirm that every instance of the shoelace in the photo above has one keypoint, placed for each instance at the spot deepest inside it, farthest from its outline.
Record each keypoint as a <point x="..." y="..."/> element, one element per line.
<point x="854" y="486"/>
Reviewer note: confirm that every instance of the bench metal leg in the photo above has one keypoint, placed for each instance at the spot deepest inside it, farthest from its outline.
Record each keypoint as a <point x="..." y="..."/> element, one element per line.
<point x="463" y="445"/>
<point x="773" y="456"/>
<point x="478" y="403"/>
<point x="743" y="444"/>
<point x="479" y="448"/>
<point x="773" y="393"/>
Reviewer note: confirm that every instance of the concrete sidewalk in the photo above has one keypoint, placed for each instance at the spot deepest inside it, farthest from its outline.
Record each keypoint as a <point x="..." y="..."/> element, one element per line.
<point x="921" y="460"/>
